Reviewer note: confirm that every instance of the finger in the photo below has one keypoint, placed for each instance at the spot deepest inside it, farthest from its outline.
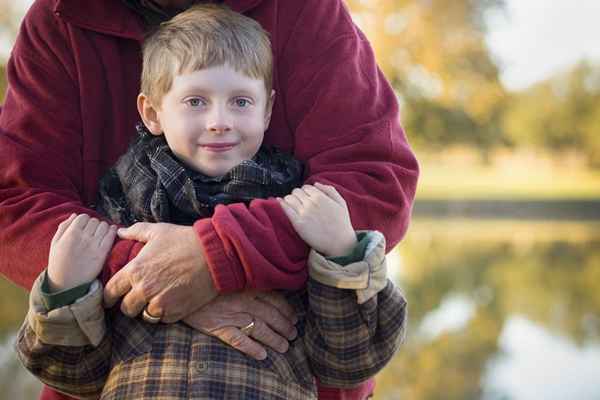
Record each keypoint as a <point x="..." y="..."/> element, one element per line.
<point x="101" y="229"/>
<point x="207" y="323"/>
<point x="133" y="303"/>
<point x="302" y="197"/>
<point x="236" y="339"/>
<point x="156" y="311"/>
<point x="317" y="197"/>
<point x="267" y="336"/>
<point x="288" y="210"/>
<point x="280" y="303"/>
<point x="116" y="287"/>
<point x="90" y="227"/>
<point x="273" y="318"/>
<point x="293" y="202"/>
<point x="80" y="222"/>
<point x="62" y="227"/>
<point x="141" y="231"/>
<point x="154" y="307"/>
<point x="312" y="191"/>
<point x="331" y="192"/>
<point x="109" y="238"/>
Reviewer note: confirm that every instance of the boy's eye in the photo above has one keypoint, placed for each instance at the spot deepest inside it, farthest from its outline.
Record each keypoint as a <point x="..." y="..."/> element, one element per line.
<point x="194" y="102"/>
<point x="242" y="103"/>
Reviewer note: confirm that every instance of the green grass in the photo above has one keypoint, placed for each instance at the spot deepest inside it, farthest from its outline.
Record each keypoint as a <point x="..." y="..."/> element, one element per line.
<point x="464" y="177"/>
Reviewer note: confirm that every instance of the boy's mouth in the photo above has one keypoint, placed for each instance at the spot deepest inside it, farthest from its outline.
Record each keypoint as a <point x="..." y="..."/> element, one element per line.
<point x="218" y="147"/>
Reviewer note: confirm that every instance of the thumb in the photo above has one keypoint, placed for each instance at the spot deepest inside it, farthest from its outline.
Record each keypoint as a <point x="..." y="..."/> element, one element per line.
<point x="141" y="231"/>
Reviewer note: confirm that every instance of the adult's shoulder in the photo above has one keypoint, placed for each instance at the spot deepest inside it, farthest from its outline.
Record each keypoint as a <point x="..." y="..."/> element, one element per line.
<point x="317" y="18"/>
<point x="41" y="29"/>
<point x="41" y="11"/>
<point x="312" y="28"/>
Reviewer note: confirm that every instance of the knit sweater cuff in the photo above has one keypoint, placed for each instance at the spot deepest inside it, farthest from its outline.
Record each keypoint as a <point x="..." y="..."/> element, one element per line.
<point x="123" y="251"/>
<point x="226" y="271"/>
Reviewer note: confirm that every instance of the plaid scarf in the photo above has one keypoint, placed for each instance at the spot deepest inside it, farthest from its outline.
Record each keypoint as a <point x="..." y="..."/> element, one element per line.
<point x="148" y="183"/>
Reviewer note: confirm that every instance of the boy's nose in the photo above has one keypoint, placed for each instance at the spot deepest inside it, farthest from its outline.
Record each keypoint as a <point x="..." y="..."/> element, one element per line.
<point x="219" y="121"/>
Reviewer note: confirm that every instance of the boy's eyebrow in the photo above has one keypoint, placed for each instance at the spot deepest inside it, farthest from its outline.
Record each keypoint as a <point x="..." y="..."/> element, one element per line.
<point x="202" y="89"/>
<point x="195" y="88"/>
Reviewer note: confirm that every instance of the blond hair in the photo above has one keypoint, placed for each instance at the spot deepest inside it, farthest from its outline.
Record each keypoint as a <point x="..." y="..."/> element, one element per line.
<point x="204" y="36"/>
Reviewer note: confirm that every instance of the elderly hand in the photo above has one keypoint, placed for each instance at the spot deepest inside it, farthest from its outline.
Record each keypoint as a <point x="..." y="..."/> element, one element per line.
<point x="223" y="317"/>
<point x="169" y="274"/>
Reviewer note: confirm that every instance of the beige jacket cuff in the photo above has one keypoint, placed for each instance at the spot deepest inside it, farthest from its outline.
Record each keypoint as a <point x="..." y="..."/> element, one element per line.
<point x="78" y="324"/>
<point x="368" y="276"/>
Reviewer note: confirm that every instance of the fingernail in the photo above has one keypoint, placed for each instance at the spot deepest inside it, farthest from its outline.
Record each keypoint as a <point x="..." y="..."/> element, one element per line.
<point x="284" y="347"/>
<point x="293" y="335"/>
<point x="121" y="230"/>
<point x="262" y="355"/>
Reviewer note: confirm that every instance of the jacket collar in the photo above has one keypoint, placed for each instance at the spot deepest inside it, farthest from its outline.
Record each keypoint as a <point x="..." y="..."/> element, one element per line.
<point x="113" y="18"/>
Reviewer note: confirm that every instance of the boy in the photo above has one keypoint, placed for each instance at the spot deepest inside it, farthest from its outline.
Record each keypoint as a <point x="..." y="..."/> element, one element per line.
<point x="205" y="103"/>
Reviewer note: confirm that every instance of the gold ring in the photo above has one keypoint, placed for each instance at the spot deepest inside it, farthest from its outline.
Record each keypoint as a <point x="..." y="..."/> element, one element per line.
<point x="149" y="317"/>
<point x="247" y="330"/>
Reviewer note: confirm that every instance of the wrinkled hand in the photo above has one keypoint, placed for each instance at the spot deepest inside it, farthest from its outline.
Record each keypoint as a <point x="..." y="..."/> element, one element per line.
<point x="273" y="321"/>
<point x="169" y="273"/>
<point x="320" y="216"/>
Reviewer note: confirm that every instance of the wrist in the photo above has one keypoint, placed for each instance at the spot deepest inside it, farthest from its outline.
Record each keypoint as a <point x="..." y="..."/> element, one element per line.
<point x="343" y="247"/>
<point x="58" y="281"/>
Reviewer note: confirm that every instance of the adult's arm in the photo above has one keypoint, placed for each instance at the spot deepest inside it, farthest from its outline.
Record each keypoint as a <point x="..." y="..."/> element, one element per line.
<point x="344" y="116"/>
<point x="41" y="146"/>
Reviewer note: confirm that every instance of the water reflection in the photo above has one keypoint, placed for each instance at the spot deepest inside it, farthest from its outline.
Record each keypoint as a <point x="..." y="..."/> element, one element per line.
<point x="498" y="310"/>
<point x="452" y="315"/>
<point x="535" y="364"/>
<point x="15" y="381"/>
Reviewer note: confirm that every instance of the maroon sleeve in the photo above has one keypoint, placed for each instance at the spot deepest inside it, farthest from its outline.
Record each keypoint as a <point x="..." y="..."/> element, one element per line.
<point x="41" y="166"/>
<point x="345" y="118"/>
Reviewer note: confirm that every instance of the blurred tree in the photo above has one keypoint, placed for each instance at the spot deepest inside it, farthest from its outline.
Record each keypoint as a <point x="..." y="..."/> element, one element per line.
<point x="561" y="113"/>
<point x="10" y="17"/>
<point x="2" y="83"/>
<point x="12" y="311"/>
<point x="435" y="55"/>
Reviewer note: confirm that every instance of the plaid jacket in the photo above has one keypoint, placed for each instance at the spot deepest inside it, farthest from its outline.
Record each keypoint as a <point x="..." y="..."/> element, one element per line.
<point x="352" y="320"/>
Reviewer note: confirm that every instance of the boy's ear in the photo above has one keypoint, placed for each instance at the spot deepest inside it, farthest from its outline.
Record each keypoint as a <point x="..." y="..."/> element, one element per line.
<point x="269" y="108"/>
<point x="149" y="114"/>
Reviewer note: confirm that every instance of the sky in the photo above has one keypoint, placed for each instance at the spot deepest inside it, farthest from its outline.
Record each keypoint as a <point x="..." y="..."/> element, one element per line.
<point x="539" y="37"/>
<point x="534" y="40"/>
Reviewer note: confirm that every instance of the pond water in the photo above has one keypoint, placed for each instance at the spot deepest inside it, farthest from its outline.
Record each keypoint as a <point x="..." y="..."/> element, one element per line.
<point x="498" y="309"/>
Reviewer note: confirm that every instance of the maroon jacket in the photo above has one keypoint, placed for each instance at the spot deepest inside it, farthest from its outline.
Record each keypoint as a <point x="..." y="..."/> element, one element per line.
<point x="70" y="111"/>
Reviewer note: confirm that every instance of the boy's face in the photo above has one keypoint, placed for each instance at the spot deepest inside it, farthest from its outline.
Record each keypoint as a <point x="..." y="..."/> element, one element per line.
<point x="214" y="118"/>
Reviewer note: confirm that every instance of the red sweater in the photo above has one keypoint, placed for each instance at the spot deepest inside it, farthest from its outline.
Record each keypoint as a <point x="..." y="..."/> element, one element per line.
<point x="70" y="112"/>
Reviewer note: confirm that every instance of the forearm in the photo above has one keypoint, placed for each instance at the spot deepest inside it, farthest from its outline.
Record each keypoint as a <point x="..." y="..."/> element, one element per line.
<point x="353" y="344"/>
<point x="253" y="247"/>
<point x="46" y="171"/>
<point x="356" y="316"/>
<point x="79" y="371"/>
<point x="67" y="348"/>
<point x="347" y="130"/>
<point x="29" y="220"/>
